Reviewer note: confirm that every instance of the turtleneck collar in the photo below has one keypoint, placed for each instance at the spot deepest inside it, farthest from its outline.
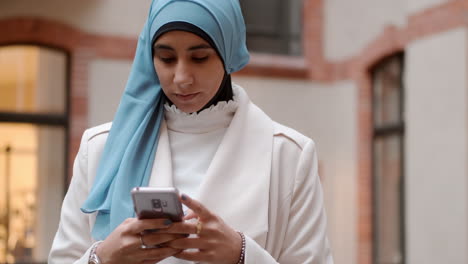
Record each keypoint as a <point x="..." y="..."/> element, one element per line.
<point x="208" y="120"/>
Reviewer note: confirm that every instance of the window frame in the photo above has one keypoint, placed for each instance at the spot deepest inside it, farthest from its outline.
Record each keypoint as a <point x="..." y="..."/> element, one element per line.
<point x="385" y="131"/>
<point x="285" y="35"/>
<point x="61" y="120"/>
<point x="46" y="119"/>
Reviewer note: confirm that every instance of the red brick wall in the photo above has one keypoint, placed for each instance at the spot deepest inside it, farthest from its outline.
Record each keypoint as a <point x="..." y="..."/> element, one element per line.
<point x="84" y="47"/>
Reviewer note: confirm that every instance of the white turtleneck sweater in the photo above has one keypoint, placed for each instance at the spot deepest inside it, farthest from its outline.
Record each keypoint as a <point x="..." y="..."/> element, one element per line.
<point x="194" y="139"/>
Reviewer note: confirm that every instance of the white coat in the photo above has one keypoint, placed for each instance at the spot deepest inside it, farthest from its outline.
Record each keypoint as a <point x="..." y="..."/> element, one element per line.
<point x="262" y="181"/>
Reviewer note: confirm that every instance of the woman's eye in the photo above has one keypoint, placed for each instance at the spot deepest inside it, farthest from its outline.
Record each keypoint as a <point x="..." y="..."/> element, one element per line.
<point x="167" y="59"/>
<point x="200" y="59"/>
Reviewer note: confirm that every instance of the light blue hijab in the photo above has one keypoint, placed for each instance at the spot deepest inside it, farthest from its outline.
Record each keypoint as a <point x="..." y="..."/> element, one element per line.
<point x="130" y="149"/>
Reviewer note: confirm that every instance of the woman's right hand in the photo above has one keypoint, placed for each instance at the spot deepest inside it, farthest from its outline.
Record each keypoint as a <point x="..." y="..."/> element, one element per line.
<point x="124" y="245"/>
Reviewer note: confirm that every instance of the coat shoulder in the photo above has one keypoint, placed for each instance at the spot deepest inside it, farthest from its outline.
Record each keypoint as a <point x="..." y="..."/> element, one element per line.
<point x="98" y="132"/>
<point x="282" y="131"/>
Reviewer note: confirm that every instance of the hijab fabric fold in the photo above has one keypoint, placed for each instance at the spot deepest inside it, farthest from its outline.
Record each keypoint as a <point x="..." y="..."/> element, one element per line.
<point x="130" y="148"/>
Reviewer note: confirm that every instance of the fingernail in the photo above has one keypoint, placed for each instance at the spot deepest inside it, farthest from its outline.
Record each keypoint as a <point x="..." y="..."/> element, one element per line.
<point x="167" y="222"/>
<point x="184" y="197"/>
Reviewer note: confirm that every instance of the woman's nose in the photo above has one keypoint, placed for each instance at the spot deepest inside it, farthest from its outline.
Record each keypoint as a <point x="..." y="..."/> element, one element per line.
<point x="183" y="76"/>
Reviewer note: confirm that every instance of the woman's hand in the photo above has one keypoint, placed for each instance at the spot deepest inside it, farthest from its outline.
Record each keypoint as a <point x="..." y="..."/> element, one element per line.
<point x="124" y="245"/>
<point x="216" y="241"/>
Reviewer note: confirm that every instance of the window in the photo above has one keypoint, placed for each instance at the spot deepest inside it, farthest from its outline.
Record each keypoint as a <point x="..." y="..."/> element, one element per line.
<point x="33" y="156"/>
<point x="273" y="26"/>
<point x="388" y="157"/>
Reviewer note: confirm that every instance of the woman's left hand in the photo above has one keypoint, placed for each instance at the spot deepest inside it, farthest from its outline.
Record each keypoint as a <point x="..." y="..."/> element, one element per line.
<point x="216" y="241"/>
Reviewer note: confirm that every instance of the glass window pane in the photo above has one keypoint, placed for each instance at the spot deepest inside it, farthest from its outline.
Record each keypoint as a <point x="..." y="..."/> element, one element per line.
<point x="32" y="80"/>
<point x="388" y="194"/>
<point x="388" y="92"/>
<point x="295" y="27"/>
<point x="277" y="29"/>
<point x="265" y="21"/>
<point x="32" y="176"/>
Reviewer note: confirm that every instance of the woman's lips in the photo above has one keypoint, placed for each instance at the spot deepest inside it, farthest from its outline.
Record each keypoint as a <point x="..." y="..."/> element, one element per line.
<point x="186" y="97"/>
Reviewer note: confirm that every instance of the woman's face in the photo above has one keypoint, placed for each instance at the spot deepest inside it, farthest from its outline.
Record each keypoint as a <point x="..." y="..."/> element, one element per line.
<point x="189" y="69"/>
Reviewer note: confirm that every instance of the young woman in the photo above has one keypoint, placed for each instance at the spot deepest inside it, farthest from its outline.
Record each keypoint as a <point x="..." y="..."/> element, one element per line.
<point x="181" y="122"/>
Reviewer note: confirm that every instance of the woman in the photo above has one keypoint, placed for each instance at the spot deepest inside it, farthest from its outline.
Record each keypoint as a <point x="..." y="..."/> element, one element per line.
<point x="181" y="122"/>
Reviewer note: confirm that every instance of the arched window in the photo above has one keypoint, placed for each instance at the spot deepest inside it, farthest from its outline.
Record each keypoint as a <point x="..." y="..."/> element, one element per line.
<point x="274" y="26"/>
<point x="388" y="161"/>
<point x="33" y="149"/>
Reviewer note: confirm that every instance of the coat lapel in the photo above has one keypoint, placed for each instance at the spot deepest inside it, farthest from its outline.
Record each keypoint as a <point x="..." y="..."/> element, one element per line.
<point x="161" y="174"/>
<point x="236" y="186"/>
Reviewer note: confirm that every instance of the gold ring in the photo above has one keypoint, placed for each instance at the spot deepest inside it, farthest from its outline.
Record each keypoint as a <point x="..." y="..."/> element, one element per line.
<point x="199" y="227"/>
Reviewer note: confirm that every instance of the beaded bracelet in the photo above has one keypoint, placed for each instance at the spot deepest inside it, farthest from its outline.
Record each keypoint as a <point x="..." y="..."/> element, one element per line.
<point x="242" y="254"/>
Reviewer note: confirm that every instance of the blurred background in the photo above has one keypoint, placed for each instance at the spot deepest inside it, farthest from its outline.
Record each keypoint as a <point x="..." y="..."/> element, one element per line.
<point x="381" y="86"/>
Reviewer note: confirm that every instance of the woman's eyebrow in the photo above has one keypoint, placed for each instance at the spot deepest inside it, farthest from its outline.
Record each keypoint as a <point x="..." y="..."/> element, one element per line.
<point x="201" y="46"/>
<point x="196" y="47"/>
<point x="162" y="46"/>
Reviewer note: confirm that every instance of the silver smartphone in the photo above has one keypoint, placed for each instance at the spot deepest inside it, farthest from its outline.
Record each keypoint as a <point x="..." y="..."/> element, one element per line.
<point x="151" y="202"/>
